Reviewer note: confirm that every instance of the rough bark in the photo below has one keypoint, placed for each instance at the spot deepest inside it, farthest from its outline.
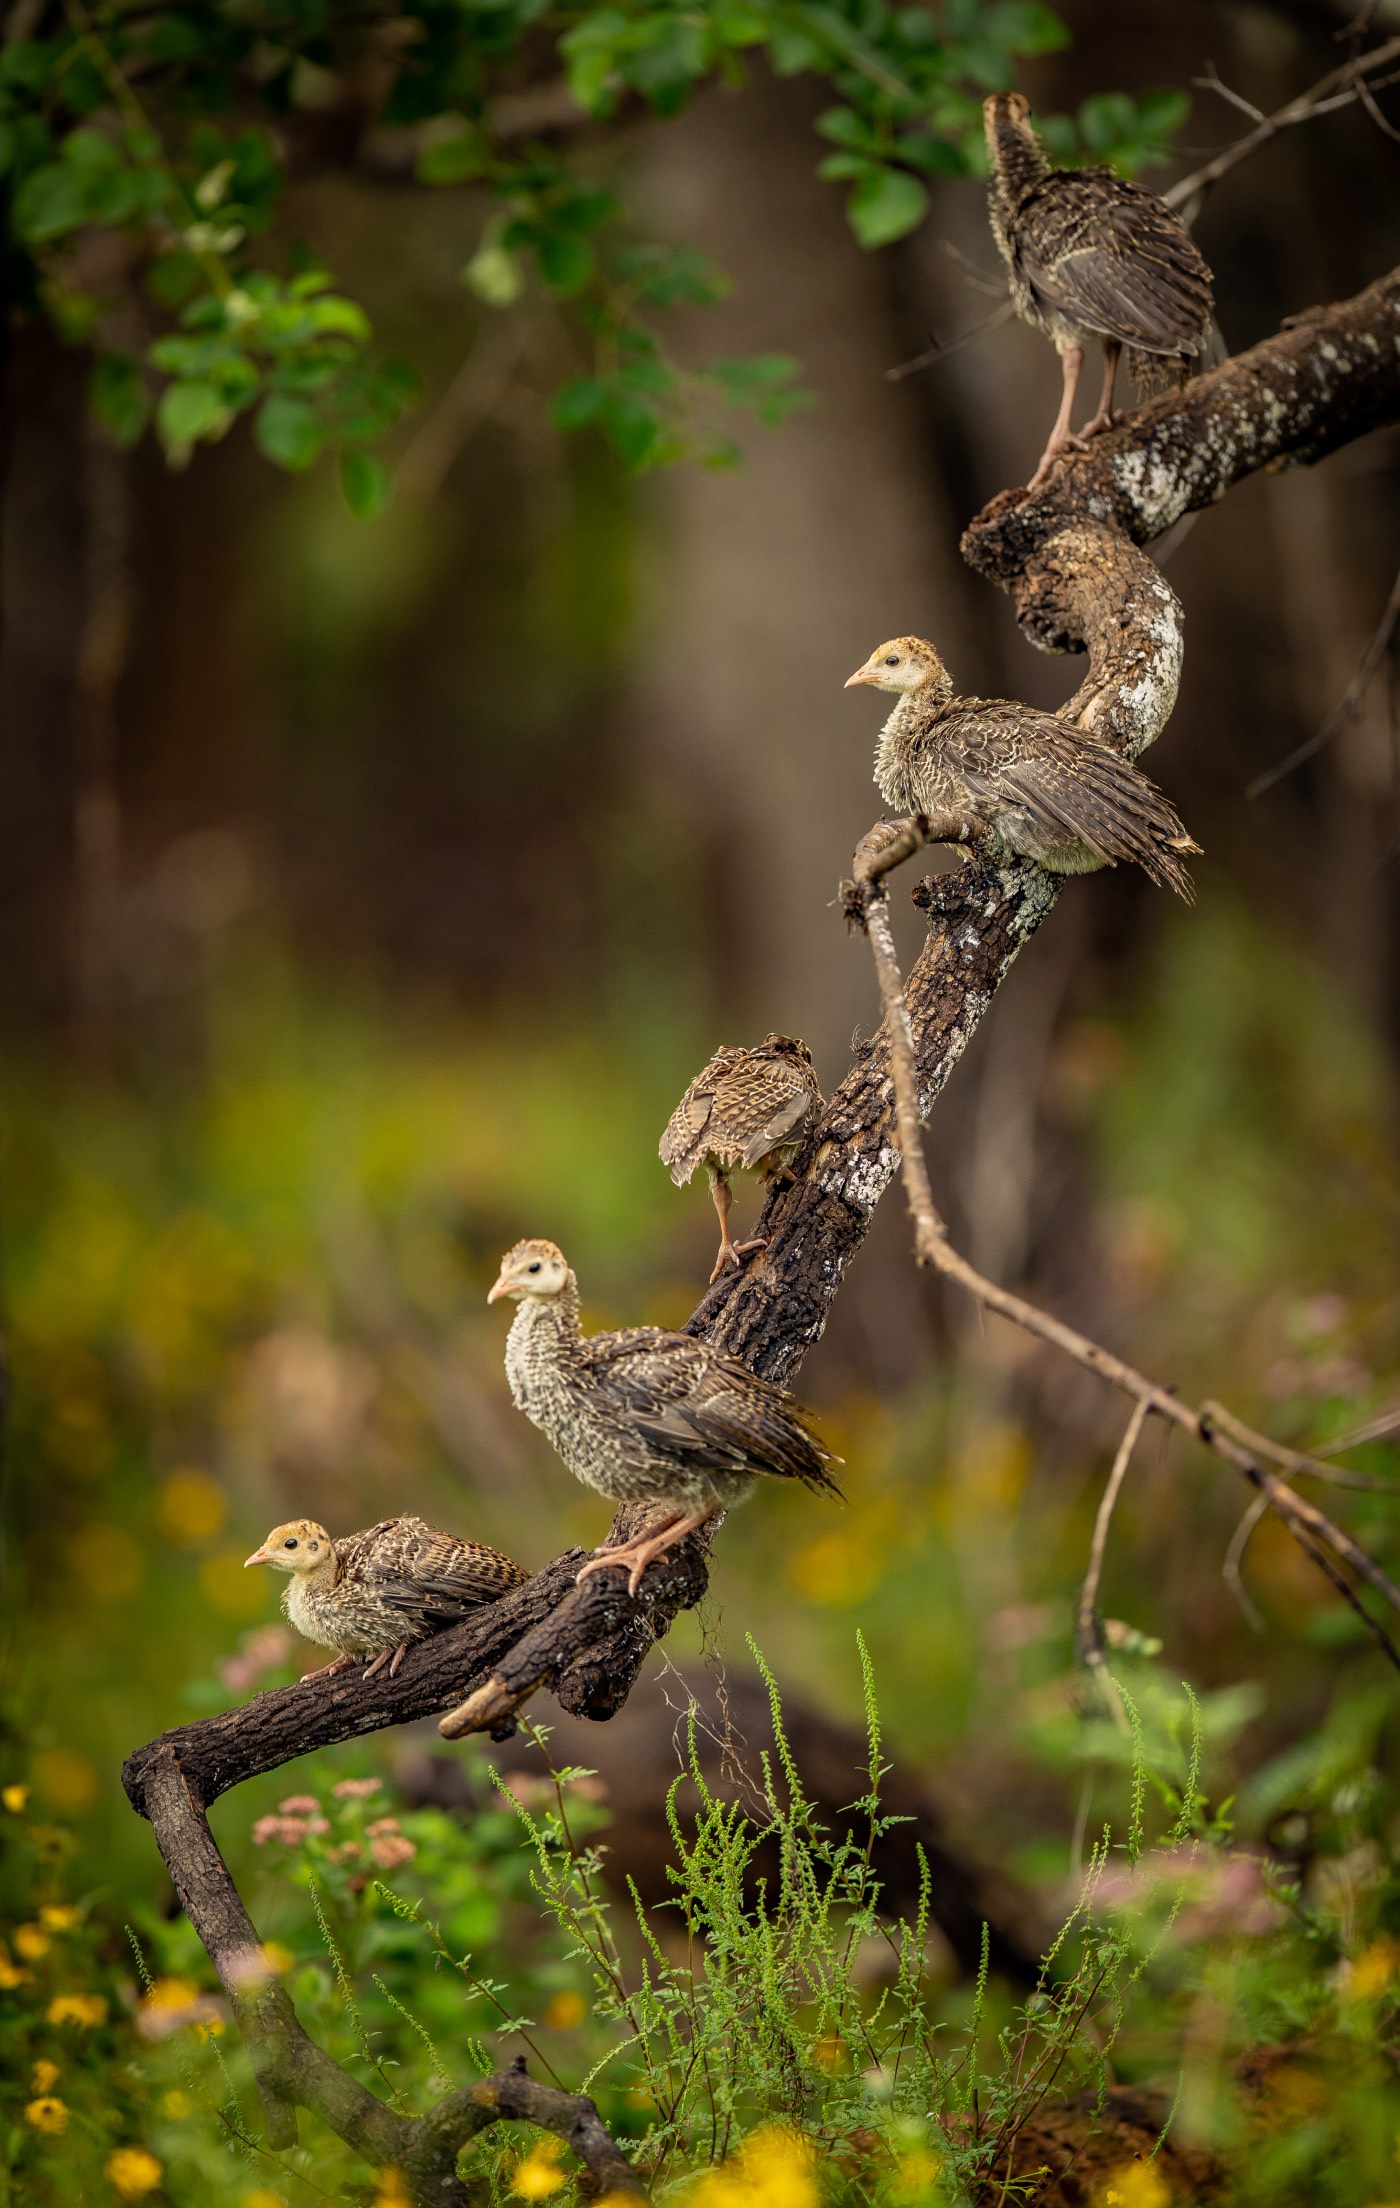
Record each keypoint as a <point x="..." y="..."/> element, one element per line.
<point x="1069" y="555"/>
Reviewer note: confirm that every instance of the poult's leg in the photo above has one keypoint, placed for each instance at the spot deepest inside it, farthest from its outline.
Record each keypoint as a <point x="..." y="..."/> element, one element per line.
<point x="1104" y="417"/>
<point x="1062" y="438"/>
<point x="323" y="1671"/>
<point x="639" y="1552"/>
<point x="724" y="1197"/>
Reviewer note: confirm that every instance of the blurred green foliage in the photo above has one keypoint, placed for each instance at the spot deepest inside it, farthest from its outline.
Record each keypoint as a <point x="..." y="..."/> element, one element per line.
<point x="170" y="130"/>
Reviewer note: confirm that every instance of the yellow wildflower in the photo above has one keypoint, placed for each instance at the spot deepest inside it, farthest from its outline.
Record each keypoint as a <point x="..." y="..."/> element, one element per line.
<point x="1368" y="1975"/>
<point x="59" y="1916"/>
<point x="565" y="2011"/>
<point x="134" y="2172"/>
<point x="31" y="1943"/>
<point x="174" y="2103"/>
<point x="43" y="2077"/>
<point x="78" y="2008"/>
<point x="14" y="1799"/>
<point x="773" y="2169"/>
<point x="393" y="2190"/>
<point x="260" y="2197"/>
<point x="279" y="1959"/>
<point x="47" y="2114"/>
<point x="1135" y="2185"/>
<point x="10" y="1977"/>
<point x="918" y="2172"/>
<point x="171" y="1993"/>
<point x="539" y="2174"/>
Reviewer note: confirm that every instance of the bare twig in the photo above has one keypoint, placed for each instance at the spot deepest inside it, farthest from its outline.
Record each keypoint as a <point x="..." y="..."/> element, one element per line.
<point x="1315" y="1533"/>
<point x="1350" y="705"/>
<point x="992" y="321"/>
<point x="1376" y="1429"/>
<point x="1295" y="1460"/>
<point x="1088" y="1629"/>
<point x="1338" y="88"/>
<point x="1234" y="1557"/>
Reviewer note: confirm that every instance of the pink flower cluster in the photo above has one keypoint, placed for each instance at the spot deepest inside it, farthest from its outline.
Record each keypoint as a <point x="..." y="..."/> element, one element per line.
<point x="297" y="1817"/>
<point x="389" y="1846"/>
<point x="355" y="1790"/>
<point x="266" y="1648"/>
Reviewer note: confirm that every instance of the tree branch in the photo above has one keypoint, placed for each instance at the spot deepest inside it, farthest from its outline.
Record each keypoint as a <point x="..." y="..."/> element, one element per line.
<point x="1069" y="556"/>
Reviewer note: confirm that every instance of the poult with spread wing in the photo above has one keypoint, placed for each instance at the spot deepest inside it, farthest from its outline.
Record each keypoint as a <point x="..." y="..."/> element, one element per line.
<point x="1090" y="255"/>
<point x="644" y="1415"/>
<point x="374" y="1593"/>
<point x="748" y="1108"/>
<point x="1022" y="780"/>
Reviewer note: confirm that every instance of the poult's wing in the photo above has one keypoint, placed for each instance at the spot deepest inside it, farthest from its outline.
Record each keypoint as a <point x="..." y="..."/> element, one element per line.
<point x="1115" y="259"/>
<point x="1084" y="791"/>
<point x="702" y="1411"/>
<point x="684" y="1143"/>
<point x="412" y="1567"/>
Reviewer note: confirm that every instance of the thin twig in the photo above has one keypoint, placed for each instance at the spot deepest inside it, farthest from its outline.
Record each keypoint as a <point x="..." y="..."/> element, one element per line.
<point x="1337" y="89"/>
<point x="1234" y="1557"/>
<point x="1088" y="1628"/>
<point x="1316" y="1533"/>
<point x="1377" y="1429"/>
<point x="992" y="321"/>
<point x="1294" y="1460"/>
<point x="1351" y="704"/>
<point x="1212" y="81"/>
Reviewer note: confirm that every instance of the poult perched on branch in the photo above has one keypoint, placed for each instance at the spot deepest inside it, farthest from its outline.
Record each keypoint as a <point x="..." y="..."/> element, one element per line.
<point x="991" y="771"/>
<point x="644" y="1415"/>
<point x="1090" y="255"/>
<point x="747" y="1108"/>
<point x="374" y="1593"/>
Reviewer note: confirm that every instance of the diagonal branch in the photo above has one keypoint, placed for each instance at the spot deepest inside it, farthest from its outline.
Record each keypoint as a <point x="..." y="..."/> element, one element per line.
<point x="1069" y="556"/>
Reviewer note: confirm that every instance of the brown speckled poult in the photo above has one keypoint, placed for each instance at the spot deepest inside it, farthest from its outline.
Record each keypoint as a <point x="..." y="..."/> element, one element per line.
<point x="747" y="1108"/>
<point x="644" y="1415"/>
<point x="1090" y="255"/>
<point x="1032" y="784"/>
<point x="373" y="1593"/>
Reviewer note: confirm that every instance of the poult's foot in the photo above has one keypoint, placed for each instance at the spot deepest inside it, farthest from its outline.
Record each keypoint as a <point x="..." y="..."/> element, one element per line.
<point x="755" y="1242"/>
<point x="323" y="1671"/>
<point x="1108" y="417"/>
<point x="1055" y="450"/>
<point x="728" y="1255"/>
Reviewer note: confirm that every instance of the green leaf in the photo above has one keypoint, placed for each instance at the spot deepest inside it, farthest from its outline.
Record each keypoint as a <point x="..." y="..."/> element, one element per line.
<point x="118" y="396"/>
<point x="455" y="159"/>
<point x="1106" y="119"/>
<point x="494" y="274"/>
<point x="364" y="479"/>
<point x="1025" y="27"/>
<point x="50" y="202"/>
<point x="289" y="431"/>
<point x="844" y="127"/>
<point x="791" y="49"/>
<point x="188" y="412"/>
<point x="939" y="156"/>
<point x="578" y="403"/>
<point x="1162" y="113"/>
<point x="566" y="260"/>
<point x="886" y="204"/>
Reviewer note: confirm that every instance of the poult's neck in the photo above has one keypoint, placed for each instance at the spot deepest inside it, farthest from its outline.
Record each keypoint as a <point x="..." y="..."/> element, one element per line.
<point x="1018" y="159"/>
<point x="549" y="1322"/>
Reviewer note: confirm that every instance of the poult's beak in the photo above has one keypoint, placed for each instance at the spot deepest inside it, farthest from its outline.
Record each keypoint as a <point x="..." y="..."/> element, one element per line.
<point x="259" y="1556"/>
<point x="862" y="674"/>
<point x="501" y="1288"/>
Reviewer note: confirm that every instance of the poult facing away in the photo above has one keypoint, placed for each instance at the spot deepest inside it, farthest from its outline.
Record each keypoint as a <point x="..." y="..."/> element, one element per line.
<point x="644" y="1415"/>
<point x="374" y="1593"/>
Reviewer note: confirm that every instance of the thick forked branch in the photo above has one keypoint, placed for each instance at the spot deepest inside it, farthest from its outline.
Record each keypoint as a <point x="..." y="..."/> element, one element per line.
<point x="1069" y="556"/>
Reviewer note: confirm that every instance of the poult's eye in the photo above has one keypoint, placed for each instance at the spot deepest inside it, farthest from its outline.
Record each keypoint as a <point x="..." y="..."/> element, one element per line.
<point x="533" y="1267"/>
<point x="892" y="659"/>
<point x="289" y="1544"/>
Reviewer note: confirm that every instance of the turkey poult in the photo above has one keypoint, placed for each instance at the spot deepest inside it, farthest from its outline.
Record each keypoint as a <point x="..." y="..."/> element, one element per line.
<point x="1025" y="781"/>
<point x="750" y="1109"/>
<point x="644" y="1415"/>
<point x="1090" y="255"/>
<point x="374" y="1593"/>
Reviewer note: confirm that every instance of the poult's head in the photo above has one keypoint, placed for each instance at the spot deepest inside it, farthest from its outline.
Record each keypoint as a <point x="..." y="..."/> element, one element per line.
<point x="788" y="1046"/>
<point x="532" y="1268"/>
<point x="1004" y="107"/>
<point x="905" y="663"/>
<point x="299" y="1546"/>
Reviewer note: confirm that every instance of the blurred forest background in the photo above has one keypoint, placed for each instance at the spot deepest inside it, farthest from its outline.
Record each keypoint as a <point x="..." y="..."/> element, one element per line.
<point x="370" y="890"/>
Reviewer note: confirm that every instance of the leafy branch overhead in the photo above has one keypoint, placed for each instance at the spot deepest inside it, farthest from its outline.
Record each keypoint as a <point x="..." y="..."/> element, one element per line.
<point x="143" y="157"/>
